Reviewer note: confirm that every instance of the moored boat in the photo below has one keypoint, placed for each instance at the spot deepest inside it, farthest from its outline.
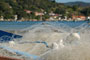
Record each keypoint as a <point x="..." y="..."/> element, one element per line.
<point x="8" y="58"/>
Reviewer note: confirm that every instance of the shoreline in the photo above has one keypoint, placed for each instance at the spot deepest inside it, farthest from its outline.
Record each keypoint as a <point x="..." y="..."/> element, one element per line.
<point x="47" y="21"/>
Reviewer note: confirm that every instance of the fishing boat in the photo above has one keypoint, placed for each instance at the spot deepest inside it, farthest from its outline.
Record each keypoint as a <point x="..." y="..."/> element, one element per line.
<point x="8" y="58"/>
<point x="7" y="37"/>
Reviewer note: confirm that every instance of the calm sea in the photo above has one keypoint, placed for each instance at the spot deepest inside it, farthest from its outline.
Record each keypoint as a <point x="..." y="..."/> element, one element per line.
<point x="6" y="25"/>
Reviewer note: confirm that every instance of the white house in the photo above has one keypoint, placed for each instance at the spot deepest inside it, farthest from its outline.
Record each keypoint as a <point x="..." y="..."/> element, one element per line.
<point x="16" y="17"/>
<point x="2" y="18"/>
<point x="88" y="17"/>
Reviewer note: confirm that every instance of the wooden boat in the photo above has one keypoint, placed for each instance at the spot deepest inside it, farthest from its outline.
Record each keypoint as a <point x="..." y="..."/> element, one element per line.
<point x="8" y="58"/>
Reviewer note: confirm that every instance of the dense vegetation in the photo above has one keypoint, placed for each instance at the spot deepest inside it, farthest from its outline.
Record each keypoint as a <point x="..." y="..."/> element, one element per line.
<point x="9" y="8"/>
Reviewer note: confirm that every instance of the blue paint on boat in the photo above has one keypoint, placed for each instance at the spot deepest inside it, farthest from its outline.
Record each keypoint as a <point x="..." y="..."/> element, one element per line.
<point x="20" y="52"/>
<point x="6" y="36"/>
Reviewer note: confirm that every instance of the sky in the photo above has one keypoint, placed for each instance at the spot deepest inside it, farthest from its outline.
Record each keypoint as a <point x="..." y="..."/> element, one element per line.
<point x="63" y="1"/>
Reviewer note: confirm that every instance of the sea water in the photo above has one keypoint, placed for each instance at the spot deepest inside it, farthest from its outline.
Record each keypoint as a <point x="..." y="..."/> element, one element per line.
<point x="65" y="40"/>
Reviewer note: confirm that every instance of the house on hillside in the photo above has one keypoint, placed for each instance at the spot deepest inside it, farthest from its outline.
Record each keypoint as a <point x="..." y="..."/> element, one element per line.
<point x="51" y="14"/>
<point x="88" y="18"/>
<point x="78" y="17"/>
<point x="54" y="16"/>
<point x="39" y="13"/>
<point x="15" y="17"/>
<point x="1" y="18"/>
<point x="28" y="11"/>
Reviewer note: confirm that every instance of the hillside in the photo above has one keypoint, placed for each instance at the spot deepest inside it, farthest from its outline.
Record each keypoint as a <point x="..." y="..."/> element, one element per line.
<point x="79" y="3"/>
<point x="8" y="8"/>
<point x="27" y="9"/>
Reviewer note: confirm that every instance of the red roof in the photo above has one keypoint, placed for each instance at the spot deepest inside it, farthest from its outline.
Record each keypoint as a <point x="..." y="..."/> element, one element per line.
<point x="81" y="17"/>
<point x="27" y="11"/>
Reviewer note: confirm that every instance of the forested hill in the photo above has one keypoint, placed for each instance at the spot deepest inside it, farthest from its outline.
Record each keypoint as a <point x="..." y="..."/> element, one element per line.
<point x="80" y="3"/>
<point x="27" y="4"/>
<point x="11" y="7"/>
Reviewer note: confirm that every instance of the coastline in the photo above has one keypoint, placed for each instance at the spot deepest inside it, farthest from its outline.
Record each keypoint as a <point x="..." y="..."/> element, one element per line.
<point x="43" y="21"/>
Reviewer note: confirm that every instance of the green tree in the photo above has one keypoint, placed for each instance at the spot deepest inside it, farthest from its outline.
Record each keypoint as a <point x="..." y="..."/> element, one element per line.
<point x="75" y="8"/>
<point x="46" y="16"/>
<point x="60" y="11"/>
<point x="6" y="9"/>
<point x="86" y="11"/>
<point x="37" y="17"/>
